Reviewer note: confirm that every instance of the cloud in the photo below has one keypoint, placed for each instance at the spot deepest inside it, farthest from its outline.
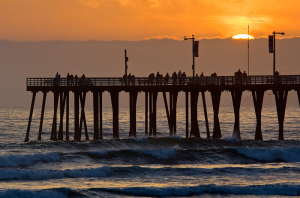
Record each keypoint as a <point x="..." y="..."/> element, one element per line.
<point x="127" y="2"/>
<point x="156" y="3"/>
<point x="91" y="3"/>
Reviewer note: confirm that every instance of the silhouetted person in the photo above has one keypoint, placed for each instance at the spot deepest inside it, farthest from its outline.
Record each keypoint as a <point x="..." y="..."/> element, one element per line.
<point x="183" y="78"/>
<point x="68" y="79"/>
<point x="76" y="80"/>
<point x="174" y="77"/>
<point x="133" y="80"/>
<point x="179" y="77"/>
<point x="167" y="78"/>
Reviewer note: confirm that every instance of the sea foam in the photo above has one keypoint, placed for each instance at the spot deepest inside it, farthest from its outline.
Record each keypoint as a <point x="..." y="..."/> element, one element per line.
<point x="50" y="174"/>
<point x="26" y="160"/>
<point x="291" y="154"/>
<point x="276" y="189"/>
<point x="34" y="194"/>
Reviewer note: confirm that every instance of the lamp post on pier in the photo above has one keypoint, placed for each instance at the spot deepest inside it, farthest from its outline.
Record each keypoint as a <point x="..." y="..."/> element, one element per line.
<point x="193" y="39"/>
<point x="272" y="47"/>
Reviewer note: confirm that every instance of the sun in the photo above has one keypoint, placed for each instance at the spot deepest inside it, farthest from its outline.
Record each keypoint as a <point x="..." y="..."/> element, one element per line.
<point x="242" y="36"/>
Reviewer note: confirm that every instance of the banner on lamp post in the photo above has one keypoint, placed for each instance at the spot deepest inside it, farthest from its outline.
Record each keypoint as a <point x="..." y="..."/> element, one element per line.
<point x="195" y="48"/>
<point x="271" y="45"/>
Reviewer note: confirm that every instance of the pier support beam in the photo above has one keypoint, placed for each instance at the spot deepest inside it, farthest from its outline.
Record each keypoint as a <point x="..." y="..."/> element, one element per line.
<point x="187" y="114"/>
<point x="62" y="108"/>
<point x="167" y="110"/>
<point x="194" y="118"/>
<point x="205" y="114"/>
<point x="132" y="110"/>
<point x="173" y="112"/>
<point x="100" y="112"/>
<point x="30" y="116"/>
<point x="152" y="113"/>
<point x="146" y="113"/>
<point x="67" y="114"/>
<point x="76" y="116"/>
<point x="96" y="118"/>
<point x="115" y="106"/>
<point x="236" y="100"/>
<point x="54" y="123"/>
<point x="258" y="97"/>
<point x="171" y="115"/>
<point x="280" y="98"/>
<point x="82" y="116"/>
<point x="42" y="115"/>
<point x="216" y="97"/>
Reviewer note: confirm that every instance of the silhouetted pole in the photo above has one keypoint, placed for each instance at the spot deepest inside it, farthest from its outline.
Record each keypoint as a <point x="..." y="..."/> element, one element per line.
<point x="30" y="116"/>
<point x="42" y="115"/>
<point x="187" y="114"/>
<point x="67" y="114"/>
<point x="205" y="114"/>
<point x="126" y="67"/>
<point x="274" y="59"/>
<point x="100" y="105"/>
<point x="193" y="39"/>
<point x="96" y="113"/>
<point x="146" y="113"/>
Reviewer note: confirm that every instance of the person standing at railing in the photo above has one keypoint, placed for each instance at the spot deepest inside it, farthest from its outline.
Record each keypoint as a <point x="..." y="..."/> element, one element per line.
<point x="68" y="79"/>
<point x="277" y="78"/>
<point x="72" y="80"/>
<point x="157" y="78"/>
<point x="202" y="79"/>
<point x="76" y="80"/>
<point x="245" y="77"/>
<point x="167" y="79"/>
<point x="183" y="78"/>
<point x="174" y="77"/>
<point x="123" y="80"/>
<point x="129" y="78"/>
<point x="179" y="77"/>
<point x="133" y="80"/>
<point x="83" y="79"/>
<point x="56" y="78"/>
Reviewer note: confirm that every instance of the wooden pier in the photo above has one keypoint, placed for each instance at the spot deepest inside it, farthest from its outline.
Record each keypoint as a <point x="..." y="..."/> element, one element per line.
<point x="280" y="85"/>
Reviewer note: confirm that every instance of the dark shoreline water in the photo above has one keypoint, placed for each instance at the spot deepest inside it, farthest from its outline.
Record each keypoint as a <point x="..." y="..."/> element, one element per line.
<point x="163" y="166"/>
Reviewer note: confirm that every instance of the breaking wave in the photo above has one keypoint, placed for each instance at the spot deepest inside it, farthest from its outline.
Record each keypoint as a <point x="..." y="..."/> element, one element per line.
<point x="26" y="160"/>
<point x="291" y="154"/>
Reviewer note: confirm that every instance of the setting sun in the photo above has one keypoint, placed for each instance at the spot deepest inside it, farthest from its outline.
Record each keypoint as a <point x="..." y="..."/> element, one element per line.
<point x="242" y="36"/>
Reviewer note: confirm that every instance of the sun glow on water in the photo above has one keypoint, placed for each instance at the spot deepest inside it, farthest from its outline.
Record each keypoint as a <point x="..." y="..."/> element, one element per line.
<point x="242" y="36"/>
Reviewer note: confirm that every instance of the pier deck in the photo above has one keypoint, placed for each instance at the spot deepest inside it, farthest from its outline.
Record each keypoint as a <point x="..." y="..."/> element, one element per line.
<point x="279" y="84"/>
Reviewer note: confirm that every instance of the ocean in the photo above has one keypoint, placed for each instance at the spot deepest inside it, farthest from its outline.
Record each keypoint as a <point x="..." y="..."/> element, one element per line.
<point x="162" y="166"/>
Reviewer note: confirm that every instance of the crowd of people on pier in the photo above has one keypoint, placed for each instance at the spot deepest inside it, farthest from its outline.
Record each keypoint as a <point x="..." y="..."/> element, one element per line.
<point x="71" y="80"/>
<point x="176" y="78"/>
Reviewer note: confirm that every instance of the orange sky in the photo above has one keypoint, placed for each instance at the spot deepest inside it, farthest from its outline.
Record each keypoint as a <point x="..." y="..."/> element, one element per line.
<point x="24" y="20"/>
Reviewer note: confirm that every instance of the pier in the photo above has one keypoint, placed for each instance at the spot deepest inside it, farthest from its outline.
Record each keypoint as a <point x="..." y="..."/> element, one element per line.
<point x="280" y="85"/>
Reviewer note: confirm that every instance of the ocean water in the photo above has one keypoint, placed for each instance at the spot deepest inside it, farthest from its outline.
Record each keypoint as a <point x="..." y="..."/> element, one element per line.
<point x="162" y="166"/>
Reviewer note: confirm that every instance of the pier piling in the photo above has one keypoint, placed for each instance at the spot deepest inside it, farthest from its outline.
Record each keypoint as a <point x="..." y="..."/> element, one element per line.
<point x="236" y="100"/>
<point x="280" y="98"/>
<point x="96" y="118"/>
<point x="205" y="114"/>
<point x="54" y="123"/>
<point x="195" y="132"/>
<point x="216" y="97"/>
<point x="30" y="116"/>
<point x="115" y="106"/>
<point x="258" y="97"/>
<point x="42" y="115"/>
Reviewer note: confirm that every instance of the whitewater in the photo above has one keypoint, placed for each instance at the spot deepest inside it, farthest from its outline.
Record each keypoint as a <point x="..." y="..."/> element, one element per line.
<point x="162" y="166"/>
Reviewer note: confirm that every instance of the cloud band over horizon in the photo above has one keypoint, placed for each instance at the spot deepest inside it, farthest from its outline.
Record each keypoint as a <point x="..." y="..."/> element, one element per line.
<point x="24" y="20"/>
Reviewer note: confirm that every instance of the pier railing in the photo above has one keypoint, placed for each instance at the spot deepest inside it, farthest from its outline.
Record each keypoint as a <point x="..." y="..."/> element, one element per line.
<point x="159" y="81"/>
